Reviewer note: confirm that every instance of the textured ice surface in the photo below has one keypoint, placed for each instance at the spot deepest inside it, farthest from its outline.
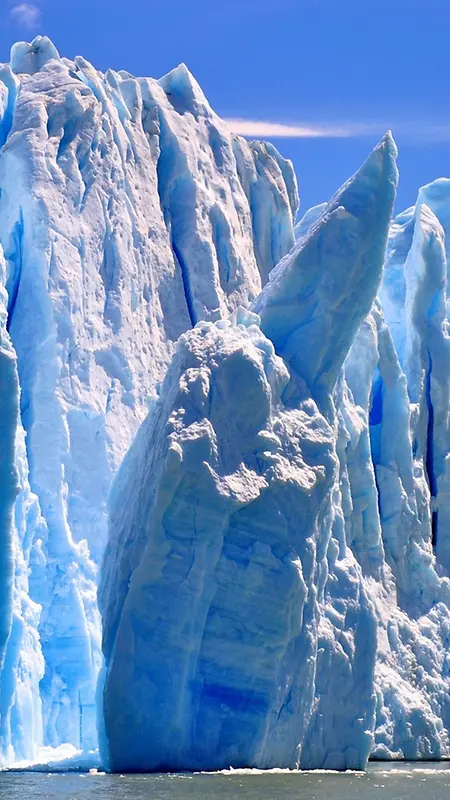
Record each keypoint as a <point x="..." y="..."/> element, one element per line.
<point x="283" y="586"/>
<point x="128" y="211"/>
<point x="227" y="573"/>
<point x="217" y="596"/>
<point x="318" y="294"/>
<point x="275" y="589"/>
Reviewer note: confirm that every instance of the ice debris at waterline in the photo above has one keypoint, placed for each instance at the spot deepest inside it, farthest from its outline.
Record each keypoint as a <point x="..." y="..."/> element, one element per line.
<point x="274" y="587"/>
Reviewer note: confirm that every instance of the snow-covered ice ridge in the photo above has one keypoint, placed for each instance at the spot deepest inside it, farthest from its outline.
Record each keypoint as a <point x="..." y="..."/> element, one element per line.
<point x="274" y="589"/>
<point x="128" y="212"/>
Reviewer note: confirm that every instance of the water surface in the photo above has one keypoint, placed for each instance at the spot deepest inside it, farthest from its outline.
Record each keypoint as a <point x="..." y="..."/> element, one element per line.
<point x="394" y="781"/>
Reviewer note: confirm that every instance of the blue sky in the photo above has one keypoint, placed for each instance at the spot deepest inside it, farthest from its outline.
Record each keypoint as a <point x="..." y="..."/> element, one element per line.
<point x="344" y="70"/>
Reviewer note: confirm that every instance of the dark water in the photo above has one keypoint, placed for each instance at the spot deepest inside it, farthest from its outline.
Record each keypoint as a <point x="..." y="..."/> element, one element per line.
<point x="396" y="782"/>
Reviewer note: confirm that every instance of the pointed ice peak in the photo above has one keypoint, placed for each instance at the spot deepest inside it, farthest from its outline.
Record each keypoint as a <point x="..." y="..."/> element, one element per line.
<point x="426" y="274"/>
<point x="183" y="91"/>
<point x="27" y="58"/>
<point x="290" y="178"/>
<point x="436" y="195"/>
<point x="393" y="289"/>
<point x="320" y="292"/>
<point x="310" y="217"/>
<point x="428" y="223"/>
<point x="357" y="195"/>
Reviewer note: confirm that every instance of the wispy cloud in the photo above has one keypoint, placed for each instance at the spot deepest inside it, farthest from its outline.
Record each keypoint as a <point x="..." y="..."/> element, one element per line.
<point x="26" y="14"/>
<point x="266" y="129"/>
<point x="411" y="132"/>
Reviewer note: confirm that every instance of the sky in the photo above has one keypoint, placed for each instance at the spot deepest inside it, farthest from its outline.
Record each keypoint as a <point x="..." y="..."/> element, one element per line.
<point x="322" y="79"/>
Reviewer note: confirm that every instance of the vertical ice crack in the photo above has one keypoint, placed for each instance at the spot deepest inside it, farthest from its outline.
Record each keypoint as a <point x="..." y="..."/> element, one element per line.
<point x="429" y="455"/>
<point x="13" y="283"/>
<point x="186" y="283"/>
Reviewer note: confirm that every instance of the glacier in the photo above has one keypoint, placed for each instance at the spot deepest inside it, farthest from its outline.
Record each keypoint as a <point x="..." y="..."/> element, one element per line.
<point x="128" y="211"/>
<point x="225" y="463"/>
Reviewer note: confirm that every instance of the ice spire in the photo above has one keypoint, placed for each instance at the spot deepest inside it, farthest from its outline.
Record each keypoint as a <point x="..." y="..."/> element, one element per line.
<point x="321" y="291"/>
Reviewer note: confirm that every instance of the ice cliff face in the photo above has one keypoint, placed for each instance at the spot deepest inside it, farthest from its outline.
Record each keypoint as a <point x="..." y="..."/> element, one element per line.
<point x="274" y="589"/>
<point x="21" y="663"/>
<point x="222" y="575"/>
<point x="278" y="540"/>
<point x="128" y="212"/>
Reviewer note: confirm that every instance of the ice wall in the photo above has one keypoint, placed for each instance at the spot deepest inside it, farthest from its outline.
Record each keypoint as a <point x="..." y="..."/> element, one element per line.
<point x="21" y="663"/>
<point x="9" y="479"/>
<point x="227" y="573"/>
<point x="128" y="211"/>
<point x="388" y="445"/>
<point x="364" y="617"/>
<point x="301" y="481"/>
